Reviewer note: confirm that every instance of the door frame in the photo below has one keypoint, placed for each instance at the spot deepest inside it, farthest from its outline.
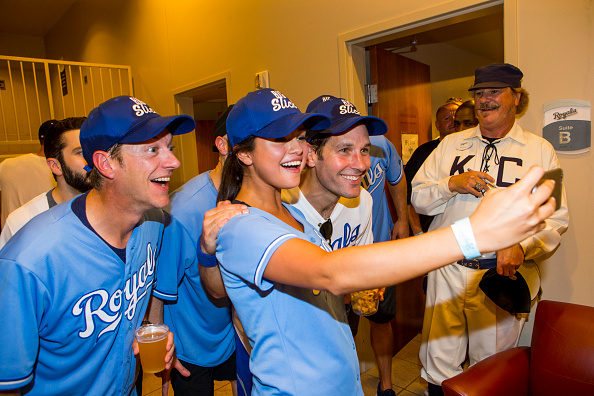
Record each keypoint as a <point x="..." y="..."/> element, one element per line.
<point x="351" y="45"/>
<point x="186" y="144"/>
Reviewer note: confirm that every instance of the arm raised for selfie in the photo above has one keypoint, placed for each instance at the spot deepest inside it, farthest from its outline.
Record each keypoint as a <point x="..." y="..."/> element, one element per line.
<point x="503" y="218"/>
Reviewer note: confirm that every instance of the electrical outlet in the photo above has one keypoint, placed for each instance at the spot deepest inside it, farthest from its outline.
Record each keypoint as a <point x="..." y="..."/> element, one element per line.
<point x="2" y="84"/>
<point x="85" y="80"/>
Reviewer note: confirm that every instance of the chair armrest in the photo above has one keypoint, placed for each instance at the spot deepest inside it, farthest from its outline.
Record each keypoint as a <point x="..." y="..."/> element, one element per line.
<point x="505" y="373"/>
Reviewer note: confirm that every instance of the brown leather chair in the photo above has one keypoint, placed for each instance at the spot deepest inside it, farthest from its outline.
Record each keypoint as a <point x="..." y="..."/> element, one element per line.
<point x="560" y="360"/>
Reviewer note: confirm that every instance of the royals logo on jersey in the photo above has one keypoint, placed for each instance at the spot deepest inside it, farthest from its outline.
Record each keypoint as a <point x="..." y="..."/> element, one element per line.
<point x="373" y="177"/>
<point x="104" y="311"/>
<point x="348" y="237"/>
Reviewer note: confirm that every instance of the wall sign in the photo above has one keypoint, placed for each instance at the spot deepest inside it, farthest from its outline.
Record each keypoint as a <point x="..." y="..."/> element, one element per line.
<point x="64" y="83"/>
<point x="410" y="142"/>
<point x="567" y="125"/>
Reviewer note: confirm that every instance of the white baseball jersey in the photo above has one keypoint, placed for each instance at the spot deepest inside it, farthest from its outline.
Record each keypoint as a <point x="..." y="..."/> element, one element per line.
<point x="517" y="152"/>
<point x="457" y="312"/>
<point x="21" y="179"/>
<point x="17" y="219"/>
<point x="351" y="218"/>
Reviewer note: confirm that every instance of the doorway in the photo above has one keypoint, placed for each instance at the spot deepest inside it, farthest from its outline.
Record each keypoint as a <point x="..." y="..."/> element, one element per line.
<point x="208" y="102"/>
<point x="446" y="48"/>
<point x="205" y="101"/>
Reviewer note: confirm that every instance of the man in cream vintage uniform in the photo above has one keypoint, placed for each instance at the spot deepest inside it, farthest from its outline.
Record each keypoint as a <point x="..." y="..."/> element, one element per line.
<point x="458" y="316"/>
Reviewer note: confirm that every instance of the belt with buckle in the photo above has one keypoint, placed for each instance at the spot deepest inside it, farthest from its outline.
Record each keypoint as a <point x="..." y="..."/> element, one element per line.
<point x="478" y="264"/>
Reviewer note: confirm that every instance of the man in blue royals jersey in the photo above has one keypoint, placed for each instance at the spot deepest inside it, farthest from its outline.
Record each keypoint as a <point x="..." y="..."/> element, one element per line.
<point x="205" y="339"/>
<point x="386" y="165"/>
<point x="77" y="278"/>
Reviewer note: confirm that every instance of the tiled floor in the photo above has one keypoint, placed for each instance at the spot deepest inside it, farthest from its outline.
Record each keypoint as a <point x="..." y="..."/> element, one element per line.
<point x="406" y="372"/>
<point x="406" y="378"/>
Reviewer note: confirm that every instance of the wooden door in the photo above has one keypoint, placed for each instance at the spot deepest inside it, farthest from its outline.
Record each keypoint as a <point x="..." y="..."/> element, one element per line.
<point x="207" y="158"/>
<point x="404" y="103"/>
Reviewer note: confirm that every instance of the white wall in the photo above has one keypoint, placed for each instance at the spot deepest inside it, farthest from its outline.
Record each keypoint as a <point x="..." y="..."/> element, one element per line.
<point x="555" y="41"/>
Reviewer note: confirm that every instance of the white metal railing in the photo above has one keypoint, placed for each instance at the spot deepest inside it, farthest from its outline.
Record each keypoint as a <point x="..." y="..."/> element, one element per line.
<point x="36" y="90"/>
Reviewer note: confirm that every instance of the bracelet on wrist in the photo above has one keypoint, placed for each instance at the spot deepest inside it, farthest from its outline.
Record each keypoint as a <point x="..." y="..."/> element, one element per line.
<point x="463" y="232"/>
<point x="206" y="260"/>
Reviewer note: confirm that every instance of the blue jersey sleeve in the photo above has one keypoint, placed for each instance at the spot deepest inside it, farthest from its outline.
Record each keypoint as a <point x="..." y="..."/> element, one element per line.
<point x="394" y="171"/>
<point x="177" y="254"/>
<point x="245" y="245"/>
<point x="24" y="301"/>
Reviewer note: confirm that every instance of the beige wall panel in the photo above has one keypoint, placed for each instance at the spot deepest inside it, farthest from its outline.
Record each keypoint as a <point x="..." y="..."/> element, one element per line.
<point x="555" y="41"/>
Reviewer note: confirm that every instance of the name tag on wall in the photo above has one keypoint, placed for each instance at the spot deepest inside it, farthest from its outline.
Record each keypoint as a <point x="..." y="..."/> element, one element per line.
<point x="567" y="125"/>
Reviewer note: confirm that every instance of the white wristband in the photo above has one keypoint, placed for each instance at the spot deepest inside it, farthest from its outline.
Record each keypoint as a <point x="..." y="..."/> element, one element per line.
<point x="463" y="232"/>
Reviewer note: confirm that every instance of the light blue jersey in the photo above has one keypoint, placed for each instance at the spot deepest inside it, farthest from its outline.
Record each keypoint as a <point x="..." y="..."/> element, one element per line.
<point x="385" y="164"/>
<point x="70" y="306"/>
<point x="204" y="333"/>
<point x="301" y="342"/>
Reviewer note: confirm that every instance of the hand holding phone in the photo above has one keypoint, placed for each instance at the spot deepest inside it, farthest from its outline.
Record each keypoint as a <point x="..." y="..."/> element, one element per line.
<point x="557" y="176"/>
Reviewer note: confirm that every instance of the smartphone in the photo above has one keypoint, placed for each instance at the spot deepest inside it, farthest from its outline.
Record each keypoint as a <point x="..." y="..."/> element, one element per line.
<point x="557" y="176"/>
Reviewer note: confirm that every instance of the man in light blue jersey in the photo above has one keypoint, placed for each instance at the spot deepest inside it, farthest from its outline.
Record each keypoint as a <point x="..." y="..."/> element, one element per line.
<point x="202" y="324"/>
<point x="78" y="277"/>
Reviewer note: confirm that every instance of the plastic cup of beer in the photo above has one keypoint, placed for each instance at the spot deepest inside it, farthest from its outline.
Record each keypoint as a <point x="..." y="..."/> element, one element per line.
<point x="152" y="344"/>
<point x="365" y="302"/>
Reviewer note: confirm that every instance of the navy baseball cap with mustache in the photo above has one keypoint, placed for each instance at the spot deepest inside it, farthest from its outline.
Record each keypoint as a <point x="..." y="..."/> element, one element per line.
<point x="125" y="119"/>
<point x="267" y="113"/>
<point x="497" y="75"/>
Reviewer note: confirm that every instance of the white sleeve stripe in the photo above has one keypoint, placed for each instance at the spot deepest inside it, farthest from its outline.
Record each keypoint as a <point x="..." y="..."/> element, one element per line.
<point x="266" y="256"/>
<point x="167" y="296"/>
<point x="397" y="180"/>
<point x="17" y="382"/>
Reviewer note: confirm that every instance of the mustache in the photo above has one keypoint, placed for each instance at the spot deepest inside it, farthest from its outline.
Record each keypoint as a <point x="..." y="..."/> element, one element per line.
<point x="487" y="106"/>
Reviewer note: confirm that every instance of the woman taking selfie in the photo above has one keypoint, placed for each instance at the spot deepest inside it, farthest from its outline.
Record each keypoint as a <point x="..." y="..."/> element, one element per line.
<point x="283" y="279"/>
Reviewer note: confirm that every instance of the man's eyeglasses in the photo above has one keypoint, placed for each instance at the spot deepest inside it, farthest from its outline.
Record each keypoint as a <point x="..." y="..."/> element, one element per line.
<point x="326" y="230"/>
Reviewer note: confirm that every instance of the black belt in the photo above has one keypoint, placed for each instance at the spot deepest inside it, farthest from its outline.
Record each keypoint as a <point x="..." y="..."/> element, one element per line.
<point x="479" y="263"/>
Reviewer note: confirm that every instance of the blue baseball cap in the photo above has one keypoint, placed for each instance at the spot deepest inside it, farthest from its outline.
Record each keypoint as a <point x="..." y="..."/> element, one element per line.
<point x="344" y="115"/>
<point x="125" y="119"/>
<point x="267" y="113"/>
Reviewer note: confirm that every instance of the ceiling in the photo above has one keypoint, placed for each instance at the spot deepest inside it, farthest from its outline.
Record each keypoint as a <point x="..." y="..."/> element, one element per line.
<point x="480" y="35"/>
<point x="32" y="17"/>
